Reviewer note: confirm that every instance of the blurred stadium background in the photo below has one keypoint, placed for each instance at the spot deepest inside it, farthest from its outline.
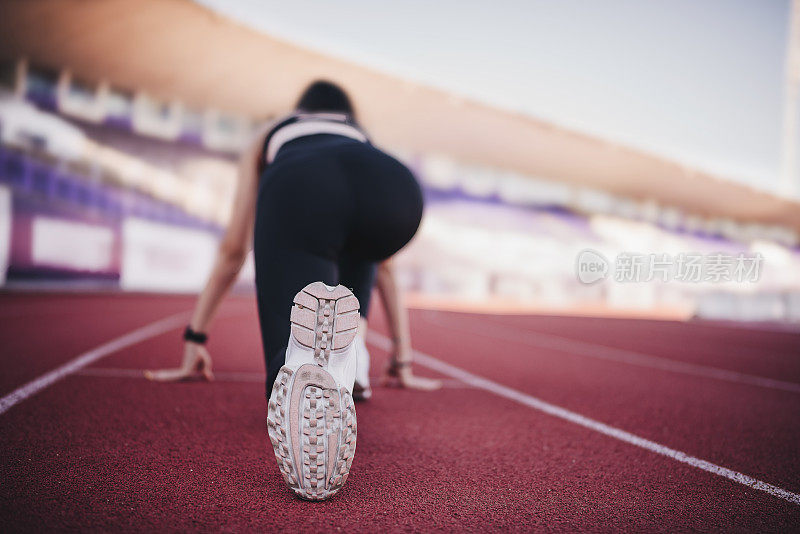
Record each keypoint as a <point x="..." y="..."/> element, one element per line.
<point x="117" y="168"/>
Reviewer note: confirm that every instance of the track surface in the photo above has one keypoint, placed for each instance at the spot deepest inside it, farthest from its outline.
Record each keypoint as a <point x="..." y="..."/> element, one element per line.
<point x="103" y="449"/>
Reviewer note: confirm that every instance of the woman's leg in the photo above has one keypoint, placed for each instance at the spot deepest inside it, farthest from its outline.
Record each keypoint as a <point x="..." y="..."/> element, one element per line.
<point x="388" y="210"/>
<point x="281" y="274"/>
<point x="300" y="228"/>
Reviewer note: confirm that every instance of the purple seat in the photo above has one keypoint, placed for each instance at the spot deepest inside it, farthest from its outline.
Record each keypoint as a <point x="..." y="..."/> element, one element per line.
<point x="15" y="169"/>
<point x="40" y="178"/>
<point x="64" y="188"/>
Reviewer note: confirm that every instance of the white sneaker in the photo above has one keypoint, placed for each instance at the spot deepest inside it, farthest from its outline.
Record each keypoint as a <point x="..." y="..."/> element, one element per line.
<point x="361" y="389"/>
<point x="311" y="419"/>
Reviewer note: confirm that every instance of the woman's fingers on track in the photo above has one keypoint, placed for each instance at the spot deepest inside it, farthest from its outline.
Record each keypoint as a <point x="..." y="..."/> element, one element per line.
<point x="421" y="383"/>
<point x="167" y="375"/>
<point x="196" y="366"/>
<point x="178" y="375"/>
<point x="406" y="379"/>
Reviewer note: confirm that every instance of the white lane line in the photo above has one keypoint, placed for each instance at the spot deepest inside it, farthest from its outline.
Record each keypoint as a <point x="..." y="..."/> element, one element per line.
<point x="602" y="352"/>
<point x="562" y="413"/>
<point x="47" y="379"/>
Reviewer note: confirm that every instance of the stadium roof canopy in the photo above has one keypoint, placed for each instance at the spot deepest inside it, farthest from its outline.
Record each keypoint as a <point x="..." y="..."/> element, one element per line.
<point x="179" y="49"/>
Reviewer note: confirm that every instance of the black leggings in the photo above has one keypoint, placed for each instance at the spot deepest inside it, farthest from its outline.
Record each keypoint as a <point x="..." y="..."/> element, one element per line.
<point x="329" y="208"/>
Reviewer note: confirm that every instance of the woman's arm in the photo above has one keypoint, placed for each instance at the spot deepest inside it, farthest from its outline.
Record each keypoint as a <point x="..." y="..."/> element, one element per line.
<point x="230" y="256"/>
<point x="397" y="316"/>
<point x="235" y="243"/>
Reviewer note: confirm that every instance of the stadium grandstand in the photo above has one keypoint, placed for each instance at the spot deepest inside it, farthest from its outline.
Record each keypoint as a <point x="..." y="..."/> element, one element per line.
<point x="106" y="163"/>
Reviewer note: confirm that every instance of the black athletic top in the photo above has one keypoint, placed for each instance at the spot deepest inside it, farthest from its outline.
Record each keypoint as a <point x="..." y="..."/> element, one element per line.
<point x="302" y="124"/>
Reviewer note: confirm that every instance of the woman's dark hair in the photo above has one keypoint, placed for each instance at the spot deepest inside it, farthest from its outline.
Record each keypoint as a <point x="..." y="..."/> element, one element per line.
<point x="325" y="96"/>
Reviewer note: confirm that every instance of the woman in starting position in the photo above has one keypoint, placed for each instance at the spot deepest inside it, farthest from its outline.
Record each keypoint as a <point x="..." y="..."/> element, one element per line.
<point x="325" y="210"/>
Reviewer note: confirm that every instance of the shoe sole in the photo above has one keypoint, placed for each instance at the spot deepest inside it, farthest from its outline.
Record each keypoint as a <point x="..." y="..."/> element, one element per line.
<point x="311" y="419"/>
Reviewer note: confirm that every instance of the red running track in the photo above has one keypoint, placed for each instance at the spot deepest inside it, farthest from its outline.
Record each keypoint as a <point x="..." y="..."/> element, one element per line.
<point x="103" y="449"/>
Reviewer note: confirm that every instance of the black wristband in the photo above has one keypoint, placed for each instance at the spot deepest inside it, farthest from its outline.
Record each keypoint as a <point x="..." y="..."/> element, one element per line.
<point x="195" y="337"/>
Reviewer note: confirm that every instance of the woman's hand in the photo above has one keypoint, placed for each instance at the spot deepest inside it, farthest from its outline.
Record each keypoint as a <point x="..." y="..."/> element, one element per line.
<point x="196" y="366"/>
<point x="399" y="373"/>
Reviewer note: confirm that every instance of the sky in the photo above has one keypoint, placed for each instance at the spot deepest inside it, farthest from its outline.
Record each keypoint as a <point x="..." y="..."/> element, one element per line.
<point x="698" y="81"/>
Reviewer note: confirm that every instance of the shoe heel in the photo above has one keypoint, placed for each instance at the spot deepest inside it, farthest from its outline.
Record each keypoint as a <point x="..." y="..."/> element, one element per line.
<point x="323" y="319"/>
<point x="312" y="427"/>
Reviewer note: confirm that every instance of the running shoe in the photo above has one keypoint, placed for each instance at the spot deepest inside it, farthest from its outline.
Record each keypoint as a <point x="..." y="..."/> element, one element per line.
<point x="361" y="389"/>
<point x="311" y="419"/>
